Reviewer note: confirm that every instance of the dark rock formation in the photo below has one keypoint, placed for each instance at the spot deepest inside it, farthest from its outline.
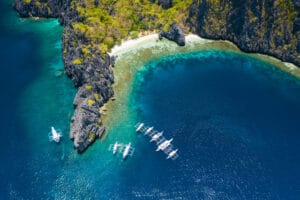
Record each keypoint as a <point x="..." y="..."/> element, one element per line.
<point x="165" y="3"/>
<point x="267" y="26"/>
<point x="93" y="77"/>
<point x="175" y="34"/>
<point x="46" y="9"/>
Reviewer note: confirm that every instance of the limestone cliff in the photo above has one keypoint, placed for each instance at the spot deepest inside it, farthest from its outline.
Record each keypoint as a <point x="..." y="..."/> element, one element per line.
<point x="266" y="26"/>
<point x="92" y="74"/>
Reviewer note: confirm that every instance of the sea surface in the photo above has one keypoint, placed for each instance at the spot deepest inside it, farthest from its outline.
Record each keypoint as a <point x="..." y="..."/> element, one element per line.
<point x="234" y="119"/>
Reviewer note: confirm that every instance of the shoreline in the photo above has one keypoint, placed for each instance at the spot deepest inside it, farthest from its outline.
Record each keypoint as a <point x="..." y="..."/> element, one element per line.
<point x="130" y="45"/>
<point x="133" y="54"/>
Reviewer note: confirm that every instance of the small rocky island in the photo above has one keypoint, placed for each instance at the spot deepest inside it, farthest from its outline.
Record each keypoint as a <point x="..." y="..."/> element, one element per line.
<point x="93" y="27"/>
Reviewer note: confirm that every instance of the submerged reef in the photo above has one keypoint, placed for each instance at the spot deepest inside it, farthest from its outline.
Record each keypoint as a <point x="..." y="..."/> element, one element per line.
<point x="93" y="27"/>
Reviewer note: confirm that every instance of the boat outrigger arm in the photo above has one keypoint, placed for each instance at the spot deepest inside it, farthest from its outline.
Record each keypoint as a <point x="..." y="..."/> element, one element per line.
<point x="115" y="147"/>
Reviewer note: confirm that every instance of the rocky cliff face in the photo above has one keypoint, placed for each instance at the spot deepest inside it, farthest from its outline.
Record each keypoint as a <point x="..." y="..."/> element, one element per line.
<point x="175" y="34"/>
<point x="92" y="75"/>
<point x="265" y="26"/>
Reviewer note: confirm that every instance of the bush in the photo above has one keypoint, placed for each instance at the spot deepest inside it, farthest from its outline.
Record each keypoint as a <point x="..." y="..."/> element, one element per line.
<point x="89" y="87"/>
<point x="91" y="102"/>
<point x="96" y="96"/>
<point x="134" y="34"/>
<point x="91" y="136"/>
<point x="77" y="61"/>
<point x="85" y="51"/>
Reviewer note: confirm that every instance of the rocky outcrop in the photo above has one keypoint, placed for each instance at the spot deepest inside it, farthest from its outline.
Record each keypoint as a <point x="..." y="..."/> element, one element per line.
<point x="93" y="78"/>
<point x="165" y="3"/>
<point x="174" y="34"/>
<point x="268" y="27"/>
<point x="93" y="75"/>
<point x="47" y="9"/>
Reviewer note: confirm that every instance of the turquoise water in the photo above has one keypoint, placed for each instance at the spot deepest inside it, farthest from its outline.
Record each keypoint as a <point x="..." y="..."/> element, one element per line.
<point x="234" y="119"/>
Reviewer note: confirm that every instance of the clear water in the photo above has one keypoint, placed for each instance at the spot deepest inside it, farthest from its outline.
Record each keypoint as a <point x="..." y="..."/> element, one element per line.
<point x="234" y="119"/>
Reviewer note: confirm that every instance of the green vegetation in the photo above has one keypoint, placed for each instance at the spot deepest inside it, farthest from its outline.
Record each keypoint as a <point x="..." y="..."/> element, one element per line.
<point x="96" y="96"/>
<point x="27" y="1"/>
<point x="266" y="24"/>
<point x="91" y="136"/>
<point x="89" y="87"/>
<point x="134" y="34"/>
<point x="85" y="51"/>
<point x="105" y="23"/>
<point x="91" y="102"/>
<point x="77" y="61"/>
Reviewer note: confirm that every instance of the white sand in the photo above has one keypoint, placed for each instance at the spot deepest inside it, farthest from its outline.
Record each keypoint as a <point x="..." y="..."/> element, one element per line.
<point x="133" y="43"/>
<point x="193" y="43"/>
<point x="152" y="40"/>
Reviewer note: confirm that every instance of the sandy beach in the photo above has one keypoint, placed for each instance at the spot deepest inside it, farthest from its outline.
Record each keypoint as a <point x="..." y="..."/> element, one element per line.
<point x="194" y="43"/>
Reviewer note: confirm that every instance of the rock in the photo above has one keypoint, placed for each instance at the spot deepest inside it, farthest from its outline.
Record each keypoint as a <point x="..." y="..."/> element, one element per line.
<point x="174" y="34"/>
<point x="85" y="126"/>
<point x="165" y="4"/>
<point x="52" y="8"/>
<point x="93" y="76"/>
<point x="254" y="26"/>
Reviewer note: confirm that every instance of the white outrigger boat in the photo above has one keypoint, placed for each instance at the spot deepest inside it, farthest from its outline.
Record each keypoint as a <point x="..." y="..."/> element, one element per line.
<point x="156" y="136"/>
<point x="125" y="149"/>
<point x="115" y="147"/>
<point x="54" y="135"/>
<point x="172" y="154"/>
<point x="164" y="145"/>
<point x="148" y="130"/>
<point x="139" y="127"/>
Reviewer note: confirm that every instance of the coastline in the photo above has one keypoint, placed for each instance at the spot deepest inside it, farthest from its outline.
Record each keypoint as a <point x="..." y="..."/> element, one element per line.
<point x="144" y="41"/>
<point x="94" y="91"/>
<point x="133" y="54"/>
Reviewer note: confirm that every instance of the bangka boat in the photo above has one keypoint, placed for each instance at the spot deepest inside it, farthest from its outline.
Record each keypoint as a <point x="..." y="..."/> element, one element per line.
<point x="164" y="145"/>
<point x="55" y="135"/>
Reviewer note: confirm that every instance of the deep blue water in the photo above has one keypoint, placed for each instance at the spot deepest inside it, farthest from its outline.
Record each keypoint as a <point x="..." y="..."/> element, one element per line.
<point x="16" y="49"/>
<point x="34" y="96"/>
<point x="235" y="121"/>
